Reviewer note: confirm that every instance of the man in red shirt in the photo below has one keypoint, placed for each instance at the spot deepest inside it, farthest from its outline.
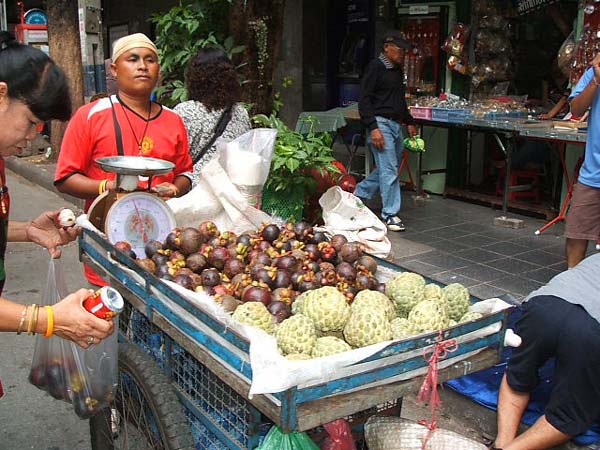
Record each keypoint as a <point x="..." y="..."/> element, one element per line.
<point x="147" y="129"/>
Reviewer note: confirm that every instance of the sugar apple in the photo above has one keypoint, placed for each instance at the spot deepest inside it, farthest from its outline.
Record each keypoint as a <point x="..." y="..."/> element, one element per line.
<point x="428" y="315"/>
<point x="406" y="290"/>
<point x="366" y="327"/>
<point x="434" y="292"/>
<point x="452" y="323"/>
<point x="255" y="314"/>
<point x="470" y="316"/>
<point x="327" y="308"/>
<point x="402" y="328"/>
<point x="458" y="300"/>
<point x="296" y="334"/>
<point x="298" y="303"/>
<point x="298" y="356"/>
<point x="329" y="345"/>
<point x="374" y="299"/>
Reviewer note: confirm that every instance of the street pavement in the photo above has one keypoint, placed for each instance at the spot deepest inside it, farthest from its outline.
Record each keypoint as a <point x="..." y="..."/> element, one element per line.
<point x="30" y="418"/>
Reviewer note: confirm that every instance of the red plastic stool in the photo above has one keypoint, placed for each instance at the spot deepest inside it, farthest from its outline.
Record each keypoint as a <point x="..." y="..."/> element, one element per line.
<point x="523" y="184"/>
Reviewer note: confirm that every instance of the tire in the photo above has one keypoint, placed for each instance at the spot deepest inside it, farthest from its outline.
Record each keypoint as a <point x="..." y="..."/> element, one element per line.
<point x="146" y="413"/>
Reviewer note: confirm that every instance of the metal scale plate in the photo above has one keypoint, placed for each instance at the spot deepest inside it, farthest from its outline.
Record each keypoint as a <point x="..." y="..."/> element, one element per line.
<point x="136" y="216"/>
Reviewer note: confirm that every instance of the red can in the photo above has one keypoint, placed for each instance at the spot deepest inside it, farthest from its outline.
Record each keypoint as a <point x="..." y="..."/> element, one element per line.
<point x="105" y="303"/>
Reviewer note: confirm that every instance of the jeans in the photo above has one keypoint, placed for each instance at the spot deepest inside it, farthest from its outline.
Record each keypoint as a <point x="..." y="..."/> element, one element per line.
<point x="385" y="176"/>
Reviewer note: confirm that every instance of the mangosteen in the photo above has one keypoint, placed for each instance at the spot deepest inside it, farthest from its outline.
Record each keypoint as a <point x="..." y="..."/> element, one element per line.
<point x="293" y="244"/>
<point x="184" y="271"/>
<point x="303" y="231"/>
<point x="37" y="376"/>
<point x="256" y="294"/>
<point x="350" y="252"/>
<point x="227" y="238"/>
<point x="208" y="290"/>
<point x="184" y="281"/>
<point x="365" y="281"/>
<point x="160" y="259"/>
<point x="262" y="274"/>
<point x="210" y="277"/>
<point x="221" y="289"/>
<point x="151" y="247"/>
<point x="232" y="267"/>
<point x="196" y="262"/>
<point x="328" y="252"/>
<point x="208" y="230"/>
<point x="297" y="277"/>
<point x="123" y="245"/>
<point x="380" y="287"/>
<point x="312" y="251"/>
<point x="172" y="239"/>
<point x="270" y="232"/>
<point x="366" y="263"/>
<point x="337" y="240"/>
<point x="311" y="266"/>
<point x="55" y="381"/>
<point x="218" y="256"/>
<point x="263" y="245"/>
<point x="244" y="239"/>
<point x="190" y="240"/>
<point x="350" y="293"/>
<point x="308" y="282"/>
<point x="287" y="262"/>
<point x="147" y="264"/>
<point x="177" y="258"/>
<point x="286" y="295"/>
<point x="228" y="302"/>
<point x="239" y="282"/>
<point x="327" y="277"/>
<point x="162" y="270"/>
<point x="280" y="311"/>
<point x="262" y="258"/>
<point x="346" y="271"/>
<point x="283" y="279"/>
<point x="130" y="253"/>
<point x="318" y="236"/>
<point x="197" y="279"/>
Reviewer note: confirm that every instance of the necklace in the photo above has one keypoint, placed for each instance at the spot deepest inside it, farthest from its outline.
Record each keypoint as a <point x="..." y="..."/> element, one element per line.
<point x="141" y="139"/>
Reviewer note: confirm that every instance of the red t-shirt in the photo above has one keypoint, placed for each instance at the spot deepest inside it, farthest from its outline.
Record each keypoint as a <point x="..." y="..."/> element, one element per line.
<point x="91" y="135"/>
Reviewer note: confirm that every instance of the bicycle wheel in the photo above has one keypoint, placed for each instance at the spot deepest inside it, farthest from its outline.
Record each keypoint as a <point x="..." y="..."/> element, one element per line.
<point x="146" y="413"/>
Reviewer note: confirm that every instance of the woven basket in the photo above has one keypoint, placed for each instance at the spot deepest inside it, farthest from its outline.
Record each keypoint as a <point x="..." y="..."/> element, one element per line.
<point x="284" y="204"/>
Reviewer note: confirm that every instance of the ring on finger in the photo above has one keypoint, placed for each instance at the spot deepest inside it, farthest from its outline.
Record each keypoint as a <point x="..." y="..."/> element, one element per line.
<point x="91" y="340"/>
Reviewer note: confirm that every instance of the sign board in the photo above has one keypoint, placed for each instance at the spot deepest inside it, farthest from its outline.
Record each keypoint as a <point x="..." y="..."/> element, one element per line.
<point x="418" y="9"/>
<point x="527" y="6"/>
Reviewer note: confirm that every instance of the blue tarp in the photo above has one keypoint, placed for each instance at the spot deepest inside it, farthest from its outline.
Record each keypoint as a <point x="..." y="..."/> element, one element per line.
<point x="482" y="387"/>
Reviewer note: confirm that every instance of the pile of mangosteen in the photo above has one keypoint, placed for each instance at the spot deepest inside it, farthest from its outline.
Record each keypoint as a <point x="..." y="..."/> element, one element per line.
<point x="272" y="265"/>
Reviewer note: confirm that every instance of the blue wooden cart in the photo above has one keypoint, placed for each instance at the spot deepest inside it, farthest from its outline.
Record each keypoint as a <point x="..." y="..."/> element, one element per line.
<point x="209" y="364"/>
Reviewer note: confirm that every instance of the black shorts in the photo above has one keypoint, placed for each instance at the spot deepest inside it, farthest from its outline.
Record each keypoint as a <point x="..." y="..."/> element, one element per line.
<point x="551" y="327"/>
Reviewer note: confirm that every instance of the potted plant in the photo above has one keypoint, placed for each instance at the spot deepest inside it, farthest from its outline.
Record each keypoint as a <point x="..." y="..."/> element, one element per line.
<point x="296" y="159"/>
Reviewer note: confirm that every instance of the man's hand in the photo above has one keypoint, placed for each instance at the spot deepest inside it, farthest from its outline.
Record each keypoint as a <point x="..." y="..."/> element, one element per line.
<point x="412" y="130"/>
<point x="596" y="66"/>
<point x="377" y="139"/>
<point x="46" y="231"/>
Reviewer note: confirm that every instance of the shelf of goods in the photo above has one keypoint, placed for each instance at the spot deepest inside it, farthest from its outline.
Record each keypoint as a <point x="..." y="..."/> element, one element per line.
<point x="210" y="365"/>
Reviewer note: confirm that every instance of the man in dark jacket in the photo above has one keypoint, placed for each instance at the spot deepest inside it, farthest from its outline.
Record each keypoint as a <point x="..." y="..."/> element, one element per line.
<point x="382" y="109"/>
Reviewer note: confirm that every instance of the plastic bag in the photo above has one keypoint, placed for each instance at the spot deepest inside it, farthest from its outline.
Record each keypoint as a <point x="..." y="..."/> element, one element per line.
<point x="278" y="440"/>
<point x="339" y="436"/>
<point x="455" y="42"/>
<point x="85" y="378"/>
<point x="395" y="433"/>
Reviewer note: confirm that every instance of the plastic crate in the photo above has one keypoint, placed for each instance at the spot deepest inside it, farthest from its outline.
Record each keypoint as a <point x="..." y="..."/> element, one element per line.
<point x="458" y="115"/>
<point x="283" y="205"/>
<point x="421" y="112"/>
<point x="440" y="114"/>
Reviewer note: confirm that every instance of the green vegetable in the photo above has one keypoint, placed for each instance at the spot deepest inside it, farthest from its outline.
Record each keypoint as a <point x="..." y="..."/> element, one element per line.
<point x="414" y="144"/>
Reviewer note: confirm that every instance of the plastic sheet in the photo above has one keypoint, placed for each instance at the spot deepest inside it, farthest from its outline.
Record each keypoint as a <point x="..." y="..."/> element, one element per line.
<point x="278" y="440"/>
<point x="339" y="436"/>
<point x="85" y="378"/>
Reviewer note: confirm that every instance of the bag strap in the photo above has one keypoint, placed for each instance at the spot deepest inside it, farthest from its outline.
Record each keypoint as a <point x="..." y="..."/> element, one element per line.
<point x="118" y="135"/>
<point x="219" y="129"/>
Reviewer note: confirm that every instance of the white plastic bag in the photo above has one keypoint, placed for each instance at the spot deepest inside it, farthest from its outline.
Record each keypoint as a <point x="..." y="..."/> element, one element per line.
<point x="395" y="433"/>
<point x="345" y="213"/>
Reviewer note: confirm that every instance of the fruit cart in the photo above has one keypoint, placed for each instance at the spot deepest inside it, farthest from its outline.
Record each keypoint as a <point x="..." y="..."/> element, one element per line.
<point x="209" y="366"/>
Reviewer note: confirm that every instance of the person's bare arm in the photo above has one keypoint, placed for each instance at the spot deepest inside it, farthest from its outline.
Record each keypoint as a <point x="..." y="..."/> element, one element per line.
<point x="583" y="101"/>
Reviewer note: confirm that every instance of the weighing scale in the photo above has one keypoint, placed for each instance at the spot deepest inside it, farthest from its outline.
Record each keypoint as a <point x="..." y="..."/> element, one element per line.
<point x="128" y="213"/>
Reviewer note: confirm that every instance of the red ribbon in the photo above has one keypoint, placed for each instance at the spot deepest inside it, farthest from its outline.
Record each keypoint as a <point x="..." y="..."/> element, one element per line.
<point x="428" y="390"/>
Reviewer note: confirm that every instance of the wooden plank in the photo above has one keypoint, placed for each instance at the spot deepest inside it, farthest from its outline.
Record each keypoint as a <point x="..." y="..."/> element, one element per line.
<point x="318" y="412"/>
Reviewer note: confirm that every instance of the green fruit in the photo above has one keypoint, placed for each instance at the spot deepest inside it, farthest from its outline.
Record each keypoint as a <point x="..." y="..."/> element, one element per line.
<point x="428" y="315"/>
<point x="255" y="314"/>
<point x="458" y="300"/>
<point x="366" y="327"/>
<point x="296" y="334"/>
<point x="329" y="345"/>
<point x="406" y="290"/>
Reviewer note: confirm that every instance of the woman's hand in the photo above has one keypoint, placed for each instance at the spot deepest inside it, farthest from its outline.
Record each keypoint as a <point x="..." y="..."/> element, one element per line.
<point x="166" y="190"/>
<point x="46" y="231"/>
<point x="377" y="139"/>
<point x="73" y="322"/>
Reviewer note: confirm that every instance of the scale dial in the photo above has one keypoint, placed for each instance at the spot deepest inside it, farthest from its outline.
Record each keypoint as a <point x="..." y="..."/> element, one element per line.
<point x="139" y="217"/>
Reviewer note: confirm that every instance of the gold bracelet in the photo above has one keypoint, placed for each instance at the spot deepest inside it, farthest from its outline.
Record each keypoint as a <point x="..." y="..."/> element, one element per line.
<point x="35" y="322"/>
<point x="22" y="321"/>
<point x="30" y="322"/>
<point x="102" y="186"/>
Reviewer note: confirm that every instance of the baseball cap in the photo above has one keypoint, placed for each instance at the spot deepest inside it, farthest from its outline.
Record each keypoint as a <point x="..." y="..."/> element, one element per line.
<point x="397" y="40"/>
<point x="126" y="43"/>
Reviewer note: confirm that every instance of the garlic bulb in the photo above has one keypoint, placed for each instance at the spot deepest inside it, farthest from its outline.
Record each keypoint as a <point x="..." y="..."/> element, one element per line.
<point x="66" y="218"/>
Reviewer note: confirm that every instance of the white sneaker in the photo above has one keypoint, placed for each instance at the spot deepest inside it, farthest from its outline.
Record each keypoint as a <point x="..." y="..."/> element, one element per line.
<point x="394" y="223"/>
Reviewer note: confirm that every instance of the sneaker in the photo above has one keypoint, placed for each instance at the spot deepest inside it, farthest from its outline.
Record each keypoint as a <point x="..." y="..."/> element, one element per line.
<point x="394" y="224"/>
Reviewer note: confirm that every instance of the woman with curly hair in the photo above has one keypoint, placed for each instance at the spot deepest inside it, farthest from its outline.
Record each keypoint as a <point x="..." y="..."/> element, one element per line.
<point x="212" y="111"/>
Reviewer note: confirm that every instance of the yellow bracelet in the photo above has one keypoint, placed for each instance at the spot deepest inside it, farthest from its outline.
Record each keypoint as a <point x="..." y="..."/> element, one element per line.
<point x="50" y="321"/>
<point x="22" y="321"/>
<point x="102" y="186"/>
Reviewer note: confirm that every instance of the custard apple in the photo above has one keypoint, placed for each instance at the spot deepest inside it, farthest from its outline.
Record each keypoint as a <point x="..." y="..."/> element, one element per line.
<point x="458" y="300"/>
<point x="296" y="334"/>
<point x="402" y="328"/>
<point x="374" y="299"/>
<point x="452" y="323"/>
<point x="329" y="345"/>
<point x="406" y="290"/>
<point x="434" y="292"/>
<point x="366" y="327"/>
<point x="298" y="356"/>
<point x="470" y="316"/>
<point x="327" y="308"/>
<point x="428" y="315"/>
<point x="298" y="303"/>
<point x="255" y="314"/>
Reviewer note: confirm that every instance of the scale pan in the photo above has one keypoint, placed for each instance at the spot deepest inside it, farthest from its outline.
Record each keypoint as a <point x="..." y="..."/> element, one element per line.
<point x="135" y="165"/>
